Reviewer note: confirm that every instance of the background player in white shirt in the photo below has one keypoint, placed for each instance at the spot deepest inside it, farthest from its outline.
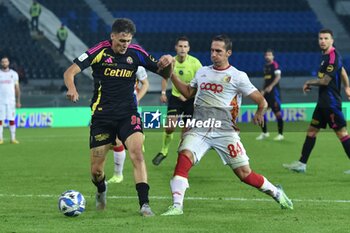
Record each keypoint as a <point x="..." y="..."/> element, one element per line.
<point x="9" y="90"/>
<point x="218" y="90"/>
<point x="119" y="150"/>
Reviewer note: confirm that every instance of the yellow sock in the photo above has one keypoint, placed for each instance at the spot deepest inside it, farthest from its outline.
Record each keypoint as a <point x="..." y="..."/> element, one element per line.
<point x="167" y="138"/>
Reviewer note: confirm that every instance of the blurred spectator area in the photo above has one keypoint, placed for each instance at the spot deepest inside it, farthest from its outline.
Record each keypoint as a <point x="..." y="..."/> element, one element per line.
<point x="288" y="27"/>
<point x="342" y="10"/>
<point x="25" y="53"/>
<point x="79" y="17"/>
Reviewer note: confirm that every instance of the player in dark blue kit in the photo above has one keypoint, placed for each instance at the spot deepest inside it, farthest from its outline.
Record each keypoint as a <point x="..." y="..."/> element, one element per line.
<point x="271" y="92"/>
<point x="114" y="63"/>
<point x="329" y="104"/>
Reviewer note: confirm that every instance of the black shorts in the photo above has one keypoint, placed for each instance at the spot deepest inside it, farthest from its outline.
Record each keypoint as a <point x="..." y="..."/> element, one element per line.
<point x="331" y="116"/>
<point x="178" y="107"/>
<point x="274" y="101"/>
<point x="104" y="131"/>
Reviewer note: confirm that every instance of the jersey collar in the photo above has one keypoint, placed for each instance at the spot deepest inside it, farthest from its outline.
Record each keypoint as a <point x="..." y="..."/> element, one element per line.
<point x="222" y="68"/>
<point x="330" y="50"/>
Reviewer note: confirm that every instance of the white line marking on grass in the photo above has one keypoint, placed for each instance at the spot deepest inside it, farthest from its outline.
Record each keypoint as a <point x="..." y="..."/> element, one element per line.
<point x="187" y="198"/>
<point x="46" y="138"/>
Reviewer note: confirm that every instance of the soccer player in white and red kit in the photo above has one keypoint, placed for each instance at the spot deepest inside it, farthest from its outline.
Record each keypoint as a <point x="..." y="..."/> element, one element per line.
<point x="9" y="90"/>
<point x="218" y="90"/>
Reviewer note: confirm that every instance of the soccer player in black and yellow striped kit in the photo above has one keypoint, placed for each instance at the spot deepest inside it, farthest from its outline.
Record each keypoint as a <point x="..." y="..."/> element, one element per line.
<point x="114" y="63"/>
<point x="328" y="110"/>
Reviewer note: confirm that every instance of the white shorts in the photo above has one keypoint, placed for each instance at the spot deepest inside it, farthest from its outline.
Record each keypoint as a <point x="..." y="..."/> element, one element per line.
<point x="227" y="144"/>
<point x="8" y="112"/>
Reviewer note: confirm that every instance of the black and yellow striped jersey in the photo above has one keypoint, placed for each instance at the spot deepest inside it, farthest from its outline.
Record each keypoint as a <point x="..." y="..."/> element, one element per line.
<point x="114" y="77"/>
<point x="330" y="96"/>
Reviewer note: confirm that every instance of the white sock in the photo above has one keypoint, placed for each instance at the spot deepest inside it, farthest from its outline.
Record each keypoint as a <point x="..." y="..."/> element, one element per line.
<point x="119" y="158"/>
<point x="1" y="132"/>
<point x="268" y="188"/>
<point x="178" y="186"/>
<point x="13" y="131"/>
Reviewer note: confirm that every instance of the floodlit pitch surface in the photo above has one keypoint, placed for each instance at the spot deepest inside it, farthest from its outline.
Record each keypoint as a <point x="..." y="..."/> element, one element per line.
<point x="49" y="161"/>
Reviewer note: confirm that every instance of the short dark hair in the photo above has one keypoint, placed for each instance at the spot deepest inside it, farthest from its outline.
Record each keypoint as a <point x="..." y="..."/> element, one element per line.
<point x="326" y="30"/>
<point x="269" y="50"/>
<point x="4" y="56"/>
<point x="124" y="25"/>
<point x="182" y="38"/>
<point x="225" y="39"/>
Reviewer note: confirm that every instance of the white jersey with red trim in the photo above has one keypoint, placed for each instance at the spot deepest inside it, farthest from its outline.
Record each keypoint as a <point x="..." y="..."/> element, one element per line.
<point x="8" y="80"/>
<point x="141" y="75"/>
<point x="219" y="94"/>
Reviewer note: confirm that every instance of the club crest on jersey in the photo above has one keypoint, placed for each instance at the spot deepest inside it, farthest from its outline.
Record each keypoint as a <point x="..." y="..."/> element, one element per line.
<point x="152" y="58"/>
<point x="129" y="60"/>
<point x="181" y="72"/>
<point x="227" y="79"/>
<point x="330" y="68"/>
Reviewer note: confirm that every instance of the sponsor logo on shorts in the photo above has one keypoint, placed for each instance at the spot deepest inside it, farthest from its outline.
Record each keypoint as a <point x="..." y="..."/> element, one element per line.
<point x="315" y="122"/>
<point x="101" y="137"/>
<point x="137" y="127"/>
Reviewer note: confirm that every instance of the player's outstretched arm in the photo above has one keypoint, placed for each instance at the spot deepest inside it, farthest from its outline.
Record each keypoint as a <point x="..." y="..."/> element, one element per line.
<point x="143" y="90"/>
<point x="185" y="89"/>
<point x="345" y="80"/>
<point x="166" y="66"/>
<point x="316" y="82"/>
<point x="163" y="97"/>
<point x="69" y="74"/>
<point x="259" y="99"/>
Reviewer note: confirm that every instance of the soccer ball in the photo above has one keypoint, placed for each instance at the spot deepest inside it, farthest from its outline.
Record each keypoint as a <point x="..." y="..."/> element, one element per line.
<point x="71" y="203"/>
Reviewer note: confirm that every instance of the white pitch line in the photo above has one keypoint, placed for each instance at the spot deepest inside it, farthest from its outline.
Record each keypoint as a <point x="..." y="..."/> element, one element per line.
<point x="187" y="198"/>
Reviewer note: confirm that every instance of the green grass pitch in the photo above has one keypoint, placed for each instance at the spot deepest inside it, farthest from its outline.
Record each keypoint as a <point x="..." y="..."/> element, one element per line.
<point x="49" y="161"/>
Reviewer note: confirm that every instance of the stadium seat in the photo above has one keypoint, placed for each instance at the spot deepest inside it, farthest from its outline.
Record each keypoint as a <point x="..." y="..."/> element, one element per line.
<point x="254" y="25"/>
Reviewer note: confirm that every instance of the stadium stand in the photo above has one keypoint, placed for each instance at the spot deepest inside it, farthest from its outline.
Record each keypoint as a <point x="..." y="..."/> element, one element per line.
<point x="289" y="27"/>
<point x="77" y="15"/>
<point x="18" y="44"/>
<point x="342" y="10"/>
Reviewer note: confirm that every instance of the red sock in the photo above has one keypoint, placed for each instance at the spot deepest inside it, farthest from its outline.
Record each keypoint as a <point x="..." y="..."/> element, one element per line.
<point x="0" y="122"/>
<point x="254" y="180"/>
<point x="11" y="122"/>
<point x="183" y="166"/>
<point x="118" y="148"/>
